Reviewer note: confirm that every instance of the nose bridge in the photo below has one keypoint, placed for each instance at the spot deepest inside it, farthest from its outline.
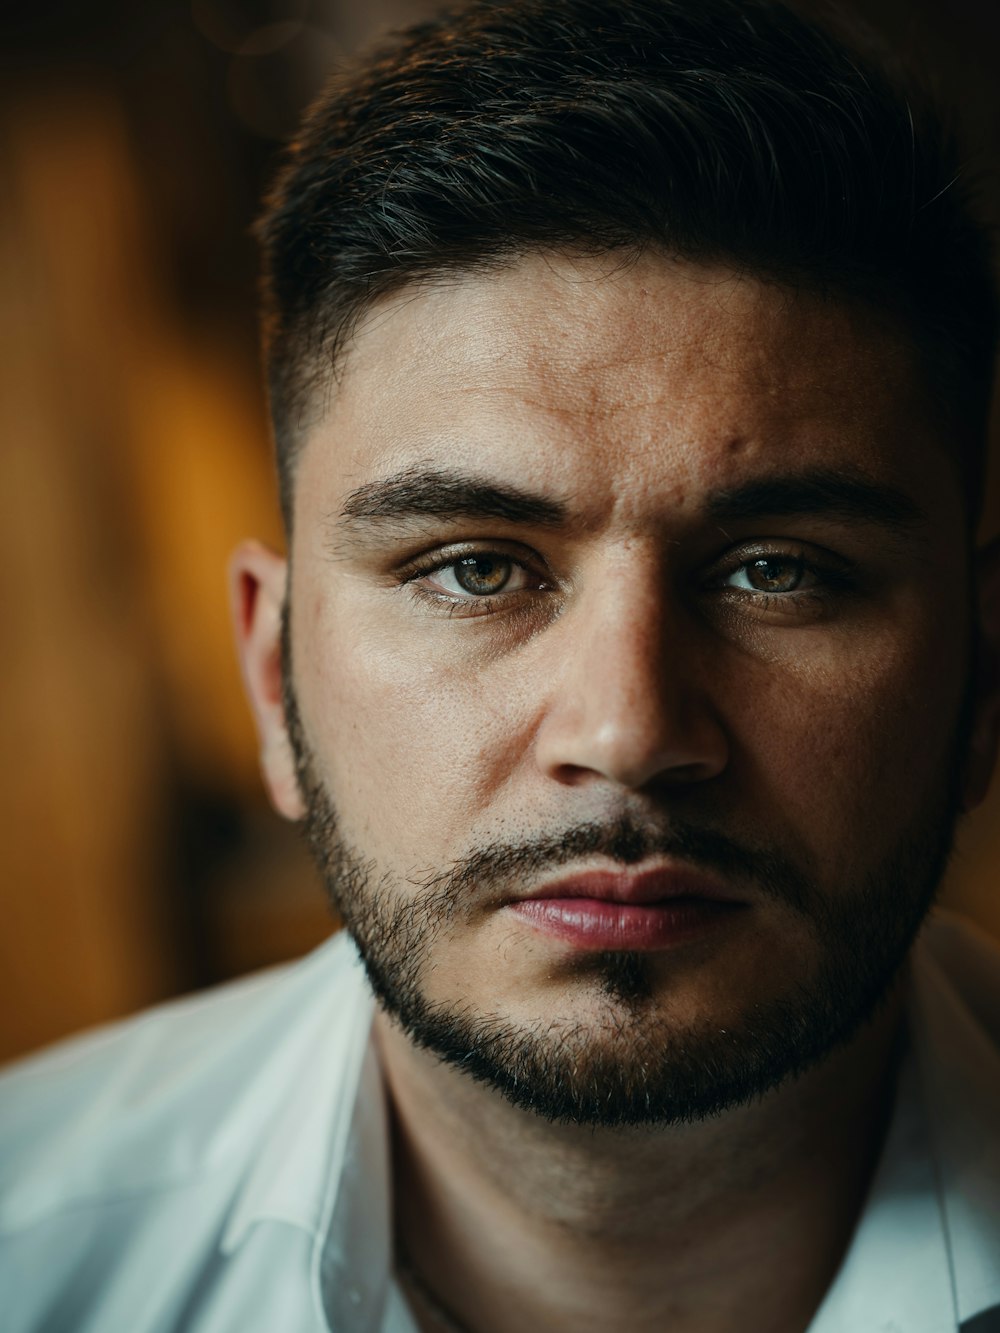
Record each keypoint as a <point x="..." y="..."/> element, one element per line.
<point x="627" y="633"/>
<point x="632" y="703"/>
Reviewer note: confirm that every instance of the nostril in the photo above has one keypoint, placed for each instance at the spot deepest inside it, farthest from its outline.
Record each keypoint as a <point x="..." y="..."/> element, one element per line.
<point x="632" y="756"/>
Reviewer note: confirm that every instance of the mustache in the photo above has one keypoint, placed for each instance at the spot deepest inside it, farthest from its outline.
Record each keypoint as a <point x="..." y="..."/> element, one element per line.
<point x="490" y="872"/>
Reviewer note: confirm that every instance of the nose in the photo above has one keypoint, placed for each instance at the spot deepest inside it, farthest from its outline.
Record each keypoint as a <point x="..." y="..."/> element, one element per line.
<point x="631" y="698"/>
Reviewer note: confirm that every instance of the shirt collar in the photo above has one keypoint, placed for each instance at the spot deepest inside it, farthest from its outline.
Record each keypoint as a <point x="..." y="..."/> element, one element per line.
<point x="351" y="1269"/>
<point x="960" y="1075"/>
<point x="899" y="1237"/>
<point x="298" y="1158"/>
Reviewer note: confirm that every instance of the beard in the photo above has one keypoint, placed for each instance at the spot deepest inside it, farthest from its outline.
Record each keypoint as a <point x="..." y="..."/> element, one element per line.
<point x="626" y="1063"/>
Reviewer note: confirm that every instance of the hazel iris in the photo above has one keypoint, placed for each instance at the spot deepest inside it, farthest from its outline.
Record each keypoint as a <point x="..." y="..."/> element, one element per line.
<point x="482" y="574"/>
<point x="774" y="575"/>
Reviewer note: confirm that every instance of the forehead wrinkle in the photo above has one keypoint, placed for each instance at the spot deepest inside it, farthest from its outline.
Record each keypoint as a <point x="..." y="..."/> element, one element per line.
<point x="683" y="373"/>
<point x="602" y="357"/>
<point x="592" y="390"/>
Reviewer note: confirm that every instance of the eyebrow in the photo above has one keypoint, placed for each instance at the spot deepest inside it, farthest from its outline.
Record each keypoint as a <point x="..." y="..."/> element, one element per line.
<point x="444" y="495"/>
<point x="829" y="493"/>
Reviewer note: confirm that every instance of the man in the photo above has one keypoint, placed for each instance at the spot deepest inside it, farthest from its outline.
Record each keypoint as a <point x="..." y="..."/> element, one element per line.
<point x="629" y="671"/>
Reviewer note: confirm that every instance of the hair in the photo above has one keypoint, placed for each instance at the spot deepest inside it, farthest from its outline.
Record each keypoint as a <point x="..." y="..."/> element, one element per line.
<point x="716" y="130"/>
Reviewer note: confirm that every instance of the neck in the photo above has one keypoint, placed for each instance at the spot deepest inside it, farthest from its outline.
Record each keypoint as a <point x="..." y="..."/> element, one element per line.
<point x="513" y="1222"/>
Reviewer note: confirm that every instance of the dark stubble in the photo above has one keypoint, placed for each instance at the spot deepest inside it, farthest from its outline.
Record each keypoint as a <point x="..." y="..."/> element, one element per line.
<point x="631" y="1067"/>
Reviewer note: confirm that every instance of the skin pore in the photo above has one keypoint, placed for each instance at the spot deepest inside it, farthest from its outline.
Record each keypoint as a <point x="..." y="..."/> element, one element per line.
<point x="658" y="547"/>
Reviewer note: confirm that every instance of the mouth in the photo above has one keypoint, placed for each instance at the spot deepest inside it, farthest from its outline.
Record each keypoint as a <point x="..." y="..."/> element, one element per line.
<point x="647" y="910"/>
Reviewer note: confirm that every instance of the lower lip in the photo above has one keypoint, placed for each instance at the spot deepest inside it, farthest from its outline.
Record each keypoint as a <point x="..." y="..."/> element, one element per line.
<point x="596" y="923"/>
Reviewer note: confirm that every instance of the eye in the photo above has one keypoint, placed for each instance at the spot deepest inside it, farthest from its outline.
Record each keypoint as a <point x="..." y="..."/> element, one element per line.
<point x="769" y="574"/>
<point x="483" y="574"/>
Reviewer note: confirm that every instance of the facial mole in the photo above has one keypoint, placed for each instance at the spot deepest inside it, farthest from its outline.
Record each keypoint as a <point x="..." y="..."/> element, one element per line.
<point x="736" y="445"/>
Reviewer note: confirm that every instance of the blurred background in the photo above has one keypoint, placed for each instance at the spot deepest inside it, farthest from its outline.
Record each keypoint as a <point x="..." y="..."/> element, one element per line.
<point x="139" y="857"/>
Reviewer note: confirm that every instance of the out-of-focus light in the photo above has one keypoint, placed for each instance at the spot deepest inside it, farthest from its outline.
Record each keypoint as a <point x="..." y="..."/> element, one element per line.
<point x="269" y="88"/>
<point x="269" y="37"/>
<point x="232" y="26"/>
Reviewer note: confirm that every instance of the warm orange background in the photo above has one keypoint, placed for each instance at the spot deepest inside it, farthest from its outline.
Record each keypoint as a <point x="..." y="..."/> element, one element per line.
<point x="140" y="858"/>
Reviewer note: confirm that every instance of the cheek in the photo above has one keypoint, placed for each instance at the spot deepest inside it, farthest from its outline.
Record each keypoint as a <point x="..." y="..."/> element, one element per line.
<point x="847" y="748"/>
<point x="413" y="744"/>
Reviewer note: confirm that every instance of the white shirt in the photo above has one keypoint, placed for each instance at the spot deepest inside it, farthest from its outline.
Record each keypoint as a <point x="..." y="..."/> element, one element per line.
<point x="220" y="1165"/>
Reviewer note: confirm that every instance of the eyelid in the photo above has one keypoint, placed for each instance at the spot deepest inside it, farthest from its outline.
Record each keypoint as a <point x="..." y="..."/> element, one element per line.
<point x="811" y="556"/>
<point x="442" y="556"/>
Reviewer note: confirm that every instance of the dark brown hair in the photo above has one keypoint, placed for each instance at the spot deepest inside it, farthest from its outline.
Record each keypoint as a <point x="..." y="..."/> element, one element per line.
<point x="714" y="129"/>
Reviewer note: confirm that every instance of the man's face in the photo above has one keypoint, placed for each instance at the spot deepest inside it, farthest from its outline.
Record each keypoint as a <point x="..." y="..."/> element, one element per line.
<point x="642" y="587"/>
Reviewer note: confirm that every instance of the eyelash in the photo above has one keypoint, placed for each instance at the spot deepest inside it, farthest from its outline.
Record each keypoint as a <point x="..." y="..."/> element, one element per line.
<point x="471" y="605"/>
<point x="834" y="576"/>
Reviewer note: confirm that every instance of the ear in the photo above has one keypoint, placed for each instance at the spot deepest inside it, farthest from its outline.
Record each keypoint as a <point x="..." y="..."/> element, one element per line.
<point x="985" y="731"/>
<point x="257" y="580"/>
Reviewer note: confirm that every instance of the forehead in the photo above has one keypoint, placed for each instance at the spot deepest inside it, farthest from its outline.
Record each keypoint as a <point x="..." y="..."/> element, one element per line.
<point x="619" y="377"/>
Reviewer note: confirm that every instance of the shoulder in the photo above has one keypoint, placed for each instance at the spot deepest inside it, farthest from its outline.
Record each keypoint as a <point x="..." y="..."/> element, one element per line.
<point x="171" y="1094"/>
<point x="141" y="1164"/>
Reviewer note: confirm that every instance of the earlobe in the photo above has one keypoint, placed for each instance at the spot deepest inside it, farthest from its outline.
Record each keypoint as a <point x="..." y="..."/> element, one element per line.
<point x="257" y="581"/>
<point x="985" y="727"/>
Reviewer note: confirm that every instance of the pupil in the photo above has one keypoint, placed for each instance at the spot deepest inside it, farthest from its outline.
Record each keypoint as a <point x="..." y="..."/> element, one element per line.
<point x="775" y="575"/>
<point x="481" y="573"/>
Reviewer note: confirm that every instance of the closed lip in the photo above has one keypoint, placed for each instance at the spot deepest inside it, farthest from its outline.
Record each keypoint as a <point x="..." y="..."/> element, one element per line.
<point x="659" y="884"/>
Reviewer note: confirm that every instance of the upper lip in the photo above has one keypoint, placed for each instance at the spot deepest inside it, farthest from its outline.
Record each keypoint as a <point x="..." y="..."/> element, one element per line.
<point x="652" y="885"/>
